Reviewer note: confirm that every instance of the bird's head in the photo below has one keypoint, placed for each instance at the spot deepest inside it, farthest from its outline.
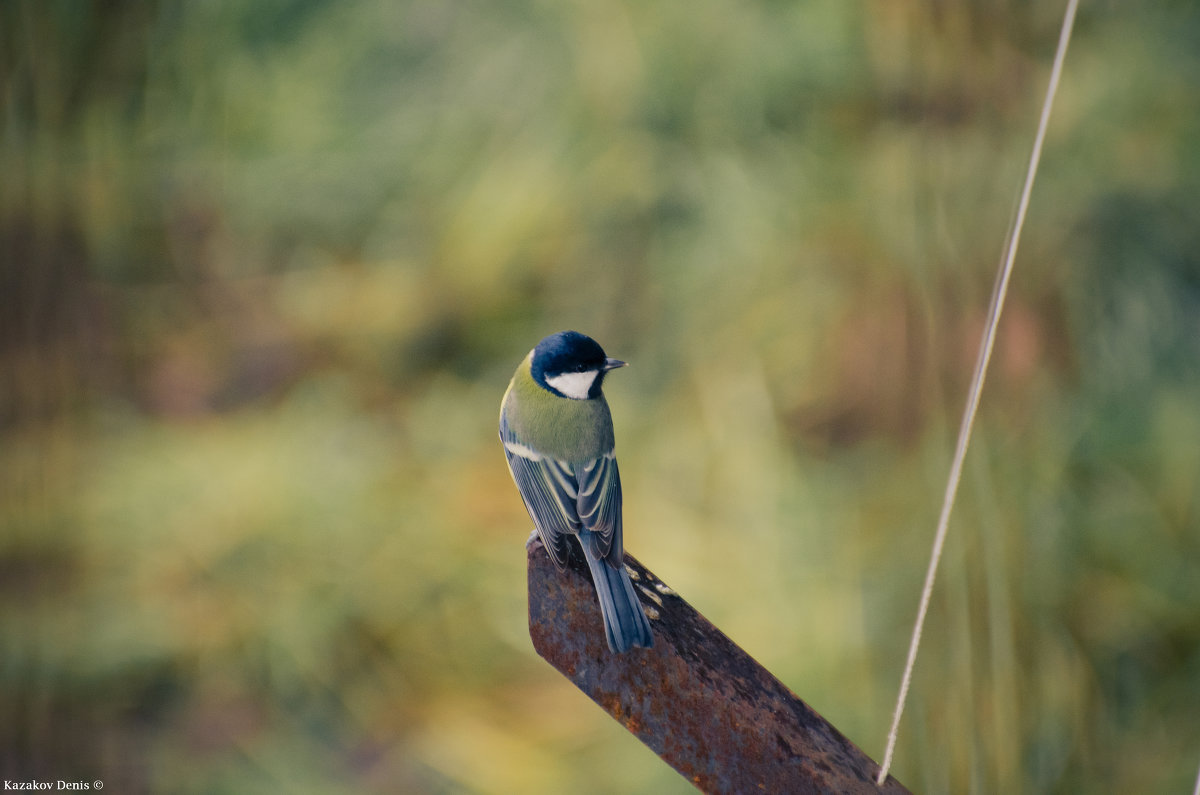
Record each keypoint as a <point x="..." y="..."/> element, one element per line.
<point x="571" y="365"/>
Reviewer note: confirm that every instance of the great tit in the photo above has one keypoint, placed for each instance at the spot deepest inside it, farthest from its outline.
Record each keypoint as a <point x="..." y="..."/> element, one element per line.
<point x="558" y="438"/>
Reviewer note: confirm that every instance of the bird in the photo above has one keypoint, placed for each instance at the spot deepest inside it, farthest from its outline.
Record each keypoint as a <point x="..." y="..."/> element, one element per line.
<point x="557" y="433"/>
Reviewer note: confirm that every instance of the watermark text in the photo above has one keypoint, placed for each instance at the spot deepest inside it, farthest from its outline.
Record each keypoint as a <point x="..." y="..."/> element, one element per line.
<point x="52" y="786"/>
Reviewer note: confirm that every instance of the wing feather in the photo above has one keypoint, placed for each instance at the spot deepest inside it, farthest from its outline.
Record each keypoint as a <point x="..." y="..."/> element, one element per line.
<point x="548" y="489"/>
<point x="563" y="498"/>
<point x="599" y="504"/>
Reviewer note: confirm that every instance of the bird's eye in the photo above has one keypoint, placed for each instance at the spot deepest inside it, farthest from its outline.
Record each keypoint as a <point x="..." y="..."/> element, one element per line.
<point x="579" y="368"/>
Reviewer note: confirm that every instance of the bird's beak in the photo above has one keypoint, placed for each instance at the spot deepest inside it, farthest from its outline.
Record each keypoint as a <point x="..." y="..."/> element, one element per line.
<point x="613" y="364"/>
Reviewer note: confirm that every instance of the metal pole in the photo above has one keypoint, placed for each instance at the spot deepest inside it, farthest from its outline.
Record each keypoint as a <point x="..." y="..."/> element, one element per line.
<point x="696" y="699"/>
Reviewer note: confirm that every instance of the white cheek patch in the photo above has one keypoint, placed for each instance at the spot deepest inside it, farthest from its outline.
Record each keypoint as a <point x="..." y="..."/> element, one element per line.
<point x="574" y="385"/>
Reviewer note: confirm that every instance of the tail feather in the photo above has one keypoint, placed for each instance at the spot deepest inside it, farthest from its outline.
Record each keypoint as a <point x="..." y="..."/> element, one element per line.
<point x="625" y="622"/>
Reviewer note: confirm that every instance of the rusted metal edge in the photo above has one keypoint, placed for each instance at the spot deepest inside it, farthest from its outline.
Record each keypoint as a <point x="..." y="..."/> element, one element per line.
<point x="696" y="699"/>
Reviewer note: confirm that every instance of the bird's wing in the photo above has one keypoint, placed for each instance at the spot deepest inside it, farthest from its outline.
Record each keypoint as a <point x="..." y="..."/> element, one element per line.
<point x="599" y="504"/>
<point x="549" y="490"/>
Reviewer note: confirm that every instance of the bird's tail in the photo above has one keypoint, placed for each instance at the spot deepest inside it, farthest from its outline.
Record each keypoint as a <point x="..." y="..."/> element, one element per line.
<point x="625" y="622"/>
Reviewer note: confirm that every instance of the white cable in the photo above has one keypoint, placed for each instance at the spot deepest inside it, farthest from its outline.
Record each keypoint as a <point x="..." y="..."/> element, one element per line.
<point x="981" y="365"/>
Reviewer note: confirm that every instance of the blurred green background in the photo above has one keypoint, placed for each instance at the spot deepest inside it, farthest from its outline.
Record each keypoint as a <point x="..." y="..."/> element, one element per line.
<point x="268" y="266"/>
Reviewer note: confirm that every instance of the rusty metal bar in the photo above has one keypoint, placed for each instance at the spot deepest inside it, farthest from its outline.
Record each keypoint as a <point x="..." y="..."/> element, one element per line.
<point x="696" y="699"/>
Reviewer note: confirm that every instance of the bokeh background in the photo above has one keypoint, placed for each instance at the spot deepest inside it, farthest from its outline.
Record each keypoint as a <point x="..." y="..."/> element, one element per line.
<point x="268" y="266"/>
